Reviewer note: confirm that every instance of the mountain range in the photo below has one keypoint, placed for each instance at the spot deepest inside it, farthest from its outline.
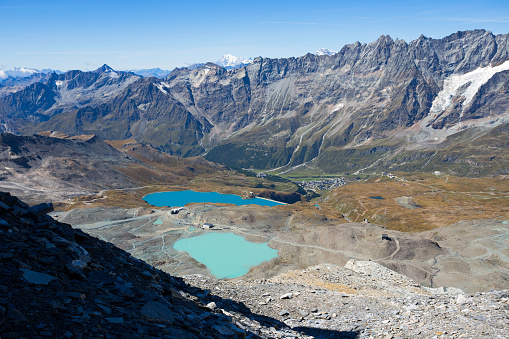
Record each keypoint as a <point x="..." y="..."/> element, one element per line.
<point x="423" y="105"/>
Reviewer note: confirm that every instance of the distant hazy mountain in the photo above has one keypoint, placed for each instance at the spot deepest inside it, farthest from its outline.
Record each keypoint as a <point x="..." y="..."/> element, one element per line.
<point x="151" y="72"/>
<point x="325" y="51"/>
<point x="227" y="61"/>
<point x="195" y="66"/>
<point x="18" y="73"/>
<point x="22" y="72"/>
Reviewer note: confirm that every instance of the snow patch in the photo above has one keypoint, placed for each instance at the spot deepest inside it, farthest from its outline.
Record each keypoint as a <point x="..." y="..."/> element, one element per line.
<point x="113" y="74"/>
<point x="161" y="88"/>
<point x="59" y="83"/>
<point x="338" y="107"/>
<point x="465" y="85"/>
<point x="3" y="75"/>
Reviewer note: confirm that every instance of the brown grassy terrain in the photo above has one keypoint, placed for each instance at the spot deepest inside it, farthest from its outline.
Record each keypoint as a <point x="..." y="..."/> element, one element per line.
<point x="158" y="172"/>
<point x="410" y="202"/>
<point x="421" y="202"/>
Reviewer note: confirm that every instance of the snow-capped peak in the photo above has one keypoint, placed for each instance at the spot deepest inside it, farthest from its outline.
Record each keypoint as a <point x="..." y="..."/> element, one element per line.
<point x="229" y="61"/>
<point x="21" y="72"/>
<point x="24" y="72"/>
<point x="325" y="51"/>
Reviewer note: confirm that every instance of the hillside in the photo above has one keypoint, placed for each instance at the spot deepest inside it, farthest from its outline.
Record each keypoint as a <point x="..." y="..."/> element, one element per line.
<point x="56" y="167"/>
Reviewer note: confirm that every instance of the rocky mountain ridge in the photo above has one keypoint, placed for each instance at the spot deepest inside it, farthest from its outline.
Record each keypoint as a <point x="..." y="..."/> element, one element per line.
<point x="384" y="105"/>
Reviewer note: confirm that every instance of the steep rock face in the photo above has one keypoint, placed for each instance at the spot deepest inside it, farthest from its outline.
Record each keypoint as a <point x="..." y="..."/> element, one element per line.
<point x="29" y="103"/>
<point x="289" y="112"/>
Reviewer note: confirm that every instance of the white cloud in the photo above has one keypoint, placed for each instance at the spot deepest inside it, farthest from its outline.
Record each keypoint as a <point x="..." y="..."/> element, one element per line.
<point x="3" y="75"/>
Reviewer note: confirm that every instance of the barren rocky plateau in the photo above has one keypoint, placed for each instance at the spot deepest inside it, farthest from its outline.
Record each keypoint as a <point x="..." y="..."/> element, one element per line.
<point x="470" y="255"/>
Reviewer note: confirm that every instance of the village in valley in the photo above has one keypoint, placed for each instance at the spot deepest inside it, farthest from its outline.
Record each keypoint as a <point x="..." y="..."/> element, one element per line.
<point x="323" y="184"/>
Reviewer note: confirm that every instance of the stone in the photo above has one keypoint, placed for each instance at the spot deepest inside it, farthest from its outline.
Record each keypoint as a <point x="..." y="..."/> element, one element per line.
<point x="286" y="296"/>
<point x="462" y="299"/>
<point x="223" y="330"/>
<point x="283" y="313"/>
<point x="37" y="278"/>
<point x="40" y="209"/>
<point x="14" y="314"/>
<point x="115" y="320"/>
<point x="154" y="310"/>
<point x="212" y="305"/>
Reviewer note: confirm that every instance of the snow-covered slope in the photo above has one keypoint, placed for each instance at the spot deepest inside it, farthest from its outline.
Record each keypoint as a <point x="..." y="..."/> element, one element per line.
<point x="325" y="51"/>
<point x="464" y="86"/>
<point x="229" y="61"/>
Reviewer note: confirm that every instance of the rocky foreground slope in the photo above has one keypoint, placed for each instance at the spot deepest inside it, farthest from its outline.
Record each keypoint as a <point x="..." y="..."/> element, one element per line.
<point x="59" y="282"/>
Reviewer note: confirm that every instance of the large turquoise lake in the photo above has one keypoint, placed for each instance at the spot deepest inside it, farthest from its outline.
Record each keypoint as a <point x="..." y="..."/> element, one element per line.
<point x="181" y="198"/>
<point x="226" y="255"/>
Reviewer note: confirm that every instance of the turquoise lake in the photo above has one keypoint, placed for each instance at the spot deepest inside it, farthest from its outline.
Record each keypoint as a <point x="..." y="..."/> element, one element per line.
<point x="181" y="198"/>
<point x="226" y="255"/>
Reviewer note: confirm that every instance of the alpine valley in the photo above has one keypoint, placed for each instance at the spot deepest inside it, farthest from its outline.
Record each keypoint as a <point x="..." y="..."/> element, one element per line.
<point x="390" y="159"/>
<point x="427" y="104"/>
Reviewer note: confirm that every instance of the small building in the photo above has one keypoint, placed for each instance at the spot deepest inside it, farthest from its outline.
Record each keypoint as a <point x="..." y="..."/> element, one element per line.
<point x="176" y="210"/>
<point x="386" y="237"/>
<point x="207" y="225"/>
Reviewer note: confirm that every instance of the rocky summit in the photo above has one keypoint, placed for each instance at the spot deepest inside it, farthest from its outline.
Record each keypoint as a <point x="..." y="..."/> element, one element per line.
<point x="56" y="281"/>
<point x="428" y="104"/>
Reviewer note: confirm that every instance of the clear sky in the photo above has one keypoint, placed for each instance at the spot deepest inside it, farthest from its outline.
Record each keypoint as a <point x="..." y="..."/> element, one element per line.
<point x="133" y="34"/>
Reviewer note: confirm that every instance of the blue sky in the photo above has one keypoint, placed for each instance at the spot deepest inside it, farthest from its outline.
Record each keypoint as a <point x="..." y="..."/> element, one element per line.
<point x="145" y="34"/>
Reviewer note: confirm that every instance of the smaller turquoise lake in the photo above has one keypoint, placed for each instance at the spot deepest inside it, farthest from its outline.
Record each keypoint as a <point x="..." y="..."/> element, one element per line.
<point x="226" y="255"/>
<point x="181" y="198"/>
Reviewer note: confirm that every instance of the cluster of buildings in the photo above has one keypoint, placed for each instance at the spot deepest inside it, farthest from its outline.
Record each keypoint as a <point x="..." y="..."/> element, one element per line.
<point x="390" y="175"/>
<point x="323" y="185"/>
